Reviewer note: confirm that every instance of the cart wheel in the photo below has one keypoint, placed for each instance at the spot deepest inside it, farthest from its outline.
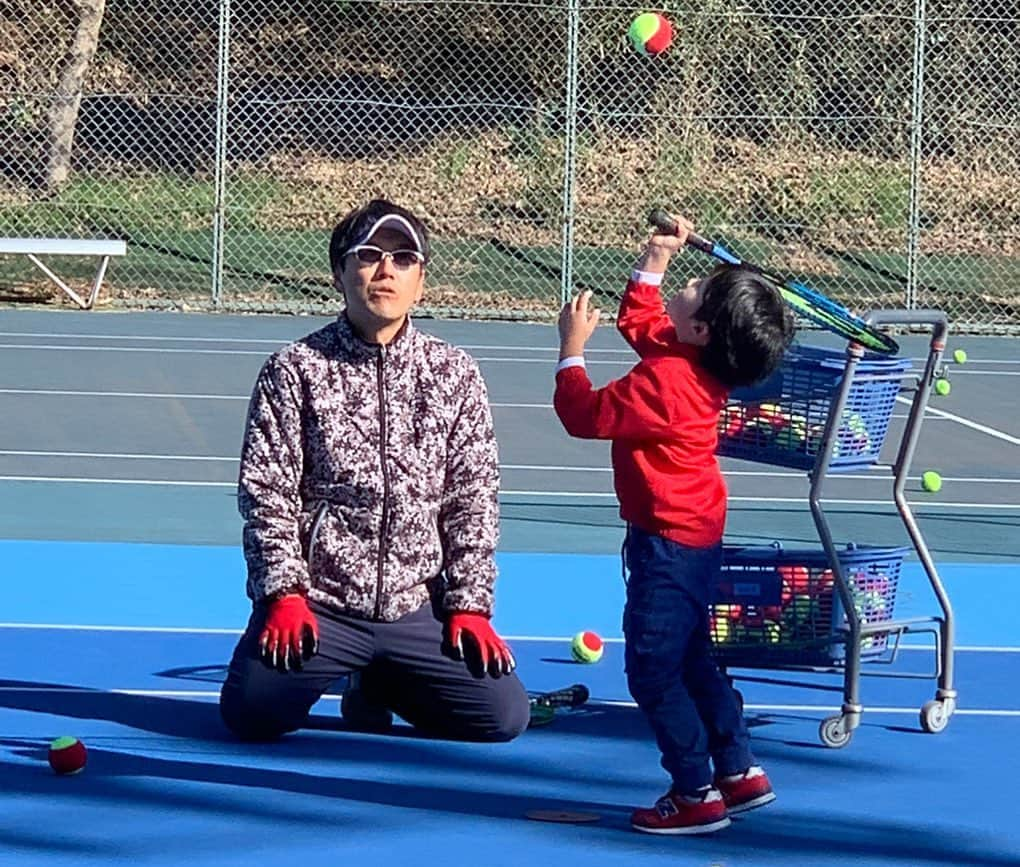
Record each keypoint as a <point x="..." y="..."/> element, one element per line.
<point x="934" y="716"/>
<point x="834" y="733"/>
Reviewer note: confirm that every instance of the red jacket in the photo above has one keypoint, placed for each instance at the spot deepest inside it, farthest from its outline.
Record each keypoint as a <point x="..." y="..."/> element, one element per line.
<point x="662" y="417"/>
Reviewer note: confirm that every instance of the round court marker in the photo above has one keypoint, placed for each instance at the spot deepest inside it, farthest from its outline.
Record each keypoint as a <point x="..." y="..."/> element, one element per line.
<point x="569" y="816"/>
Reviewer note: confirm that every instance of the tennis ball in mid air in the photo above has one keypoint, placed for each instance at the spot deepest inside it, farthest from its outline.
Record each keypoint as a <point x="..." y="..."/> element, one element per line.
<point x="67" y="755"/>
<point x="650" y="33"/>
<point x="942" y="387"/>
<point x="586" y="647"/>
<point x="959" y="356"/>
<point x="931" y="481"/>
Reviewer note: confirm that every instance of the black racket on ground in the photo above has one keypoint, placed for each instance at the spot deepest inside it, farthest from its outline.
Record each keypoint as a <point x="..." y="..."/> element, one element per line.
<point x="570" y="696"/>
<point x="807" y="302"/>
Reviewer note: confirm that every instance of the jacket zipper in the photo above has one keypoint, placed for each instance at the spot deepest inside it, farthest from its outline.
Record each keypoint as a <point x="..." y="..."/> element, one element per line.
<point x="380" y="379"/>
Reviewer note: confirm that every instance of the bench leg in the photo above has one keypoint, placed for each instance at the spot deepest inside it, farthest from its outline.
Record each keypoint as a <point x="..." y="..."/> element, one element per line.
<point x="83" y="303"/>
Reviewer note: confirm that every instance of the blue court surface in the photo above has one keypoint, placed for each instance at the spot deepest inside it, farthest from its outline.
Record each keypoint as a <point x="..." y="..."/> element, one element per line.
<point x="123" y="595"/>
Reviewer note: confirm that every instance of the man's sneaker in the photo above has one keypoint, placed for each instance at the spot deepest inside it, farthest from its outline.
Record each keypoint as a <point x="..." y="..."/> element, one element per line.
<point x="746" y="791"/>
<point x="360" y="713"/>
<point x="674" y="813"/>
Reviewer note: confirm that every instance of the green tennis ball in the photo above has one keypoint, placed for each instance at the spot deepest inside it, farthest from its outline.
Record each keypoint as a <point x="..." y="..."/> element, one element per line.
<point x="586" y="647"/>
<point x="650" y="33"/>
<point x="931" y="481"/>
<point x="942" y="387"/>
<point x="959" y="356"/>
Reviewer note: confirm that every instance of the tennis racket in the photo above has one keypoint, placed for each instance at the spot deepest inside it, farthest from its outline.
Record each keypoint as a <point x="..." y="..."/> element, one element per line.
<point x="570" y="696"/>
<point x="807" y="302"/>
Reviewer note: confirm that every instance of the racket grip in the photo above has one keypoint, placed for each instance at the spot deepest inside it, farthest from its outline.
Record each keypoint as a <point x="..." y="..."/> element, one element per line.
<point x="570" y="696"/>
<point x="662" y="220"/>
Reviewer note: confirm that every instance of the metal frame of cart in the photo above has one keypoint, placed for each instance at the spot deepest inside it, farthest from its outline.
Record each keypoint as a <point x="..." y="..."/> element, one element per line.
<point x="836" y="731"/>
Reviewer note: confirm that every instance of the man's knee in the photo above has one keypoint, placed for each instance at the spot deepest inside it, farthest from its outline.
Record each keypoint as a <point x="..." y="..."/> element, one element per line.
<point x="251" y="719"/>
<point x="513" y="713"/>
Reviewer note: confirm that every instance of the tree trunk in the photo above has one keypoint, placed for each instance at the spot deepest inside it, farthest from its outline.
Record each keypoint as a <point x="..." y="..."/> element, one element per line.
<point x="63" y="116"/>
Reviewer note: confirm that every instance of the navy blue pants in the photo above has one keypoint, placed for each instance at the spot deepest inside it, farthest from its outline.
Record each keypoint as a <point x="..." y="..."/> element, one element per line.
<point x="689" y="703"/>
<point x="404" y="668"/>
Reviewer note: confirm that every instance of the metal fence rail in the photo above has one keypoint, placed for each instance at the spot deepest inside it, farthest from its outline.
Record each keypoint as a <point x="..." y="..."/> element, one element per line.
<point x="871" y="146"/>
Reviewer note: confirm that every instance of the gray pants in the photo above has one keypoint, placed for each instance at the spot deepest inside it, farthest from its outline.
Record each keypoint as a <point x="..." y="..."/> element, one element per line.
<point x="403" y="667"/>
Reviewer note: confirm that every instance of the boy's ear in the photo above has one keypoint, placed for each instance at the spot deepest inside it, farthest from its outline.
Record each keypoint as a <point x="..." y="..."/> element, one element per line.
<point x="700" y="331"/>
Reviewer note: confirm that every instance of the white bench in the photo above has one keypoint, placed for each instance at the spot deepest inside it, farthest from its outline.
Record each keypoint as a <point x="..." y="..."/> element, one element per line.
<point x="36" y="247"/>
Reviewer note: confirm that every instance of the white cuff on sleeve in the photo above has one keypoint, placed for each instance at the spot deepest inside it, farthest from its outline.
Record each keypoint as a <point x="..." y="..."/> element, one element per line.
<point x="570" y="361"/>
<point x="649" y="278"/>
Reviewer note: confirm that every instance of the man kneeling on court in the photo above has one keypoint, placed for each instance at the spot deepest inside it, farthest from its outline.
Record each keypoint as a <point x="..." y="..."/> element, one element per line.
<point x="368" y="487"/>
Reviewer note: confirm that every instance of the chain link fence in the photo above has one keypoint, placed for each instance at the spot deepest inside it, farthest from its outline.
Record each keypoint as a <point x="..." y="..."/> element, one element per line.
<point x="870" y="146"/>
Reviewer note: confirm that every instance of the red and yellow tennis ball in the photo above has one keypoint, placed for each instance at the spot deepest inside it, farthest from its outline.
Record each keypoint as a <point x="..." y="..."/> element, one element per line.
<point x="586" y="647"/>
<point x="67" y="755"/>
<point x="650" y="33"/>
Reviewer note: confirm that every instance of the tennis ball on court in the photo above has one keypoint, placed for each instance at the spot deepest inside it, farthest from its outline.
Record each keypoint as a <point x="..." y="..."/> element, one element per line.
<point x="67" y="755"/>
<point x="650" y="33"/>
<point x="959" y="356"/>
<point x="931" y="481"/>
<point x="942" y="387"/>
<point x="586" y="647"/>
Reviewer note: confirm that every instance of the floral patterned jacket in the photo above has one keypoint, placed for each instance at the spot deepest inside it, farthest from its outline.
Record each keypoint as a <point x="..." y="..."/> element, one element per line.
<point x="369" y="476"/>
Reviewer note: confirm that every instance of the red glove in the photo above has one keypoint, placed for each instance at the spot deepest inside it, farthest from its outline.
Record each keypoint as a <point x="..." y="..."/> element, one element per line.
<point x="493" y="652"/>
<point x="291" y="632"/>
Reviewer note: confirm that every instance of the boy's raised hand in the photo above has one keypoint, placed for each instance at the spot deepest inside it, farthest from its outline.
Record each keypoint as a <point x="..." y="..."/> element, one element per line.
<point x="577" y="322"/>
<point x="662" y="245"/>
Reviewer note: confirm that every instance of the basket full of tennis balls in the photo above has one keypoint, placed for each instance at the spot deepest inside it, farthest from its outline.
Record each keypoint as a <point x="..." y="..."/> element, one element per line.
<point x="783" y="605"/>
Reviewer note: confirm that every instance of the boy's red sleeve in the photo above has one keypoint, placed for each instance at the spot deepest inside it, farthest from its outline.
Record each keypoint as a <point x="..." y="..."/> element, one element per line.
<point x="642" y="319"/>
<point x="636" y="406"/>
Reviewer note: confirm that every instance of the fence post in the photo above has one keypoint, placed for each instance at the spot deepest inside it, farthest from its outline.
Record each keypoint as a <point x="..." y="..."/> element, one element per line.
<point x="570" y="153"/>
<point x="220" y="152"/>
<point x="916" y="139"/>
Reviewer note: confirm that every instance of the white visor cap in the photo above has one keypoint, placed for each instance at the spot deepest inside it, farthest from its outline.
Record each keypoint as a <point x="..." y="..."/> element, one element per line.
<point x="391" y="221"/>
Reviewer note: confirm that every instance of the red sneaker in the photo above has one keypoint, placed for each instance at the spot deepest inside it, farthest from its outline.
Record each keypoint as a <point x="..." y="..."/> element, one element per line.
<point x="683" y="814"/>
<point x="746" y="791"/>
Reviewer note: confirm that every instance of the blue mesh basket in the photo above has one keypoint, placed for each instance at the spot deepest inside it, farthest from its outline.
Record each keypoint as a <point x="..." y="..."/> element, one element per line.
<point x="774" y="606"/>
<point x="782" y="420"/>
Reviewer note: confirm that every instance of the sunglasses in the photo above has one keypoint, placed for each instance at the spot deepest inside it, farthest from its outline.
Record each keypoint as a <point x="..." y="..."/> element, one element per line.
<point x="368" y="254"/>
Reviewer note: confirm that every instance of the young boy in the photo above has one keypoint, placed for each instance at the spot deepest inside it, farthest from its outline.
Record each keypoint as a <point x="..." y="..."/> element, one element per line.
<point x="728" y="329"/>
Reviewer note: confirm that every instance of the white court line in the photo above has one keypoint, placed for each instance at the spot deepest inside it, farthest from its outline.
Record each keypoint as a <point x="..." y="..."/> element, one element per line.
<point x="595" y="702"/>
<point x="595" y="495"/>
<point x="55" y="347"/>
<point x="211" y="630"/>
<point x="233" y="459"/>
<point x="500" y="347"/>
<point x="165" y="395"/>
<point x="161" y="395"/>
<point x="214" y="694"/>
<point x="206" y="630"/>
<point x="216" y="630"/>
<point x="283" y="341"/>
<point x="62" y="335"/>
<point x="122" y="456"/>
<point x="992" y="432"/>
<point x="825" y="708"/>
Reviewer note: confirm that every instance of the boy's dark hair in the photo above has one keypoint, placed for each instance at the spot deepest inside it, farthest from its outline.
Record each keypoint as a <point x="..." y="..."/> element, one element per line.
<point x="356" y="223"/>
<point x="749" y="326"/>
